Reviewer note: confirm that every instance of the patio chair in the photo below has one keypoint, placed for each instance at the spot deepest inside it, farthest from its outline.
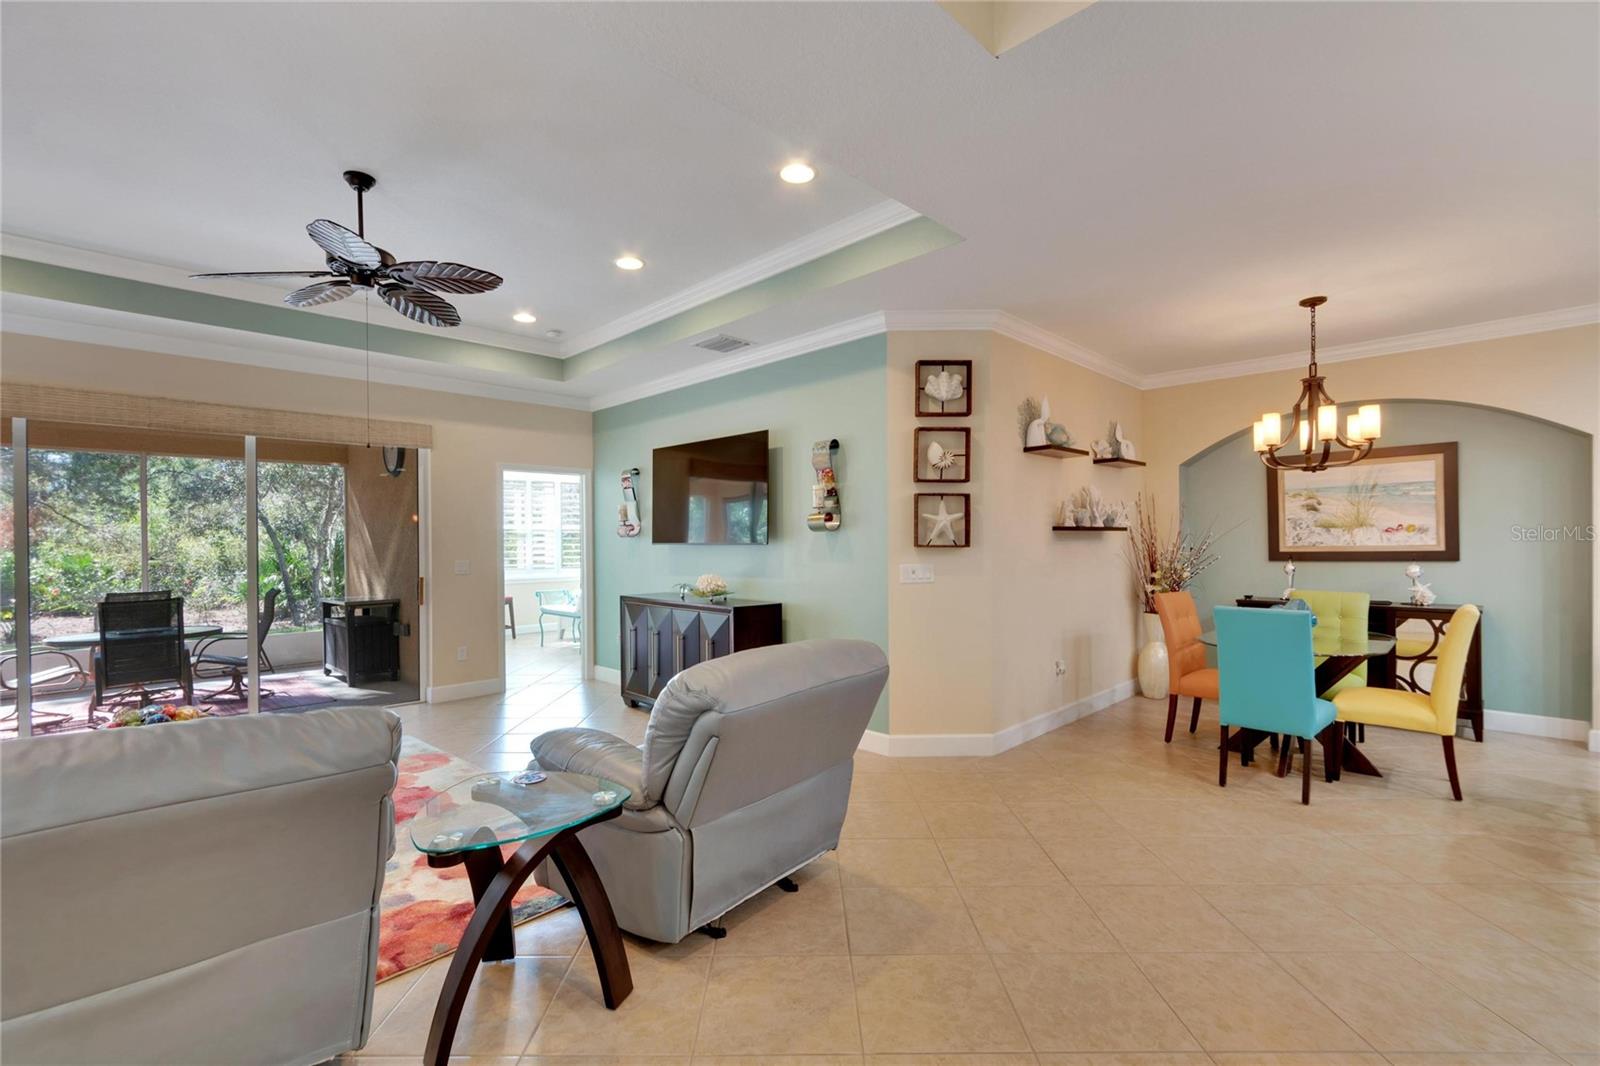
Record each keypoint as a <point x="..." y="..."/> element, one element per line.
<point x="141" y="648"/>
<point x="563" y="606"/>
<point x="209" y="664"/>
<point x="51" y="672"/>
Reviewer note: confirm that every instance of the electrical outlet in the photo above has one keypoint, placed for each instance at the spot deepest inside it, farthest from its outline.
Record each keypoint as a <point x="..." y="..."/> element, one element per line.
<point x="461" y="654"/>
<point x="915" y="574"/>
<point x="1061" y="668"/>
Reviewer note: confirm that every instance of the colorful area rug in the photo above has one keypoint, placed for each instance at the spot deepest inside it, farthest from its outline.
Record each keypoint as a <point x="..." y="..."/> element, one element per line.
<point x="424" y="911"/>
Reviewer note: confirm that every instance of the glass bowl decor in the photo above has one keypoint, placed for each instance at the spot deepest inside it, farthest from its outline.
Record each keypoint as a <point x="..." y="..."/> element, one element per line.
<point x="709" y="587"/>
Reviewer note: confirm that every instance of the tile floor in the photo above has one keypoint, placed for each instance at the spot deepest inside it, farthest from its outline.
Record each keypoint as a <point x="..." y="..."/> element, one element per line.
<point x="1090" y="897"/>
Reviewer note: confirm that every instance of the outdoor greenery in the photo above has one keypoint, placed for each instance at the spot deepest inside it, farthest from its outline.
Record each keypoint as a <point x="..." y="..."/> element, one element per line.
<point x="84" y="526"/>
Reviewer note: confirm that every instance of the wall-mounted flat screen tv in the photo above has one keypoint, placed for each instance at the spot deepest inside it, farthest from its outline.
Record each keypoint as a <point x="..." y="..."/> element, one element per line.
<point x="710" y="491"/>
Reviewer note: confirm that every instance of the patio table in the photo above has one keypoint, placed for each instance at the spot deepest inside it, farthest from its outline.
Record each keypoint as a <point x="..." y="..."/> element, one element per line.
<point x="79" y="641"/>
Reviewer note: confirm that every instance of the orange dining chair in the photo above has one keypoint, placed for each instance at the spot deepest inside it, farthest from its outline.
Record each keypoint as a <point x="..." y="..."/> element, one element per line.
<point x="1186" y="657"/>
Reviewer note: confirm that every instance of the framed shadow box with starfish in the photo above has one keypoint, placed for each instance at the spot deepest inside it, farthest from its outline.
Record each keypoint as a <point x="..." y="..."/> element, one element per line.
<point x="942" y="520"/>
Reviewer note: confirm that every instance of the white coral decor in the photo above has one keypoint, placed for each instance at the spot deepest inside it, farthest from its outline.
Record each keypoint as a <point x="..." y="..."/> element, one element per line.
<point x="710" y="585"/>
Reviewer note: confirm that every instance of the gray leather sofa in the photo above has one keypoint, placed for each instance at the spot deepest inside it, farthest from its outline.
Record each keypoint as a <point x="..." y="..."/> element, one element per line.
<point x="743" y="778"/>
<point x="199" y="892"/>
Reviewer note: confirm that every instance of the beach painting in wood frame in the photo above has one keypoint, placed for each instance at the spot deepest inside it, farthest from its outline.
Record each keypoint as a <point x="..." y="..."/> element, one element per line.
<point x="1398" y="503"/>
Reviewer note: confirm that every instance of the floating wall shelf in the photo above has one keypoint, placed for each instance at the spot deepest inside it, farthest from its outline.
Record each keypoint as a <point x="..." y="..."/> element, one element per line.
<point x="1119" y="462"/>
<point x="1090" y="529"/>
<point x="1055" y="451"/>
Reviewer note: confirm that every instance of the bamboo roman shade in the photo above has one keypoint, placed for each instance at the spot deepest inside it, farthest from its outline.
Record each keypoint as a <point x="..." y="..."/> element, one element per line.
<point x="157" y="415"/>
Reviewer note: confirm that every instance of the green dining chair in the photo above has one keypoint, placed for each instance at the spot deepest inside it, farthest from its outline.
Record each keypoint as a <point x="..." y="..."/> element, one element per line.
<point x="1340" y="615"/>
<point x="1268" y="683"/>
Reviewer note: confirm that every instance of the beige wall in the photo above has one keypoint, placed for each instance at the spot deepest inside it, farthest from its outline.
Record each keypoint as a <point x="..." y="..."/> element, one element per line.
<point x="974" y="652"/>
<point x="1549" y="375"/>
<point x="472" y="438"/>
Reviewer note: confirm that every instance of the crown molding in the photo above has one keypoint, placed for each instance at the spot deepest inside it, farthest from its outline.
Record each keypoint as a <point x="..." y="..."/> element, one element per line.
<point x="831" y="238"/>
<point x="32" y="316"/>
<point x="800" y="344"/>
<point x="1018" y="329"/>
<point x="1495" y="329"/>
<point x="261" y="292"/>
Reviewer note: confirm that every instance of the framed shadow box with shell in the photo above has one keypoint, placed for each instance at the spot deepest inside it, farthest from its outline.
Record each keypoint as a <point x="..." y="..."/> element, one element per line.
<point x="941" y="453"/>
<point x="944" y="388"/>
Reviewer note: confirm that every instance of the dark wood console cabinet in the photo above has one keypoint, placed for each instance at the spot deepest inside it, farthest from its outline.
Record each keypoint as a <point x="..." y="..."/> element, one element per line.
<point x="361" y="640"/>
<point x="663" y="634"/>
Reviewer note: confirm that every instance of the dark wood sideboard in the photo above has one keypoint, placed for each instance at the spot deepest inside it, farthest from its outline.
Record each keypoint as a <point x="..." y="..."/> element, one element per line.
<point x="1399" y="668"/>
<point x="663" y="634"/>
<point x="361" y="640"/>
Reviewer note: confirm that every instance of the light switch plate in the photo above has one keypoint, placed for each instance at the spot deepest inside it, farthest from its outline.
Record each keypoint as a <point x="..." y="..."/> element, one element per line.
<point x="463" y="566"/>
<point x="915" y="574"/>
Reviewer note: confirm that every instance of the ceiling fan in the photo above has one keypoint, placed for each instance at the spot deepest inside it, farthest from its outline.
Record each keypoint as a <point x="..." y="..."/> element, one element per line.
<point x="410" y="287"/>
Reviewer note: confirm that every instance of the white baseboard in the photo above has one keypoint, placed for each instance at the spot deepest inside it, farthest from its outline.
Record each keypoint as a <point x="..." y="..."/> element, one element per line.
<point x="608" y="675"/>
<point x="466" y="690"/>
<point x="913" y="745"/>
<point x="1539" y="725"/>
<point x="1594" y="740"/>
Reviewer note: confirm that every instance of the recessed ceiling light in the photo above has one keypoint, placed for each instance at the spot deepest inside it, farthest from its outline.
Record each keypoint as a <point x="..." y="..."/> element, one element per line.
<point x="629" y="262"/>
<point x="797" y="173"/>
<point x="525" y="317"/>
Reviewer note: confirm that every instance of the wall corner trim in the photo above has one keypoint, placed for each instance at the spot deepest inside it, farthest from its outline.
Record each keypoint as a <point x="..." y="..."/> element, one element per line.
<point x="466" y="690"/>
<point x="916" y="745"/>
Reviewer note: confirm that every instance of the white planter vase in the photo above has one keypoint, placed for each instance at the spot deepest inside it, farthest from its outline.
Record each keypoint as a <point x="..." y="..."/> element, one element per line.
<point x="1153" y="674"/>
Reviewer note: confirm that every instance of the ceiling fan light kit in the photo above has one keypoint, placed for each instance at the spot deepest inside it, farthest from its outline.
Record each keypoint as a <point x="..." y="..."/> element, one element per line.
<point x="1316" y="413"/>
<point x="410" y="287"/>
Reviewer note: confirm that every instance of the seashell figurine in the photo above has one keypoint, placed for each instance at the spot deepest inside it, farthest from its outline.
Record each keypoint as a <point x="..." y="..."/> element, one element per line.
<point x="1057" y="434"/>
<point x="944" y="386"/>
<point x="940" y="458"/>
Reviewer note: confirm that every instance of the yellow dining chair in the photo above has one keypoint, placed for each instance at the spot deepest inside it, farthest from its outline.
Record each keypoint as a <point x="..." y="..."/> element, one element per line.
<point x="1186" y="657"/>
<point x="1339" y="614"/>
<point x="1416" y="711"/>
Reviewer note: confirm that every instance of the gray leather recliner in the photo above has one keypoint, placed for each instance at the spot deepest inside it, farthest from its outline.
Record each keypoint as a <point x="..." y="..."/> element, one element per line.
<point x="743" y="778"/>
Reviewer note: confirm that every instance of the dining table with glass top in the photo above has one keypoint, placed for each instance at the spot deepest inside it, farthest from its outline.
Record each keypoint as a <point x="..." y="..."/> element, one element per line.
<point x="1336" y="655"/>
<point x="542" y="811"/>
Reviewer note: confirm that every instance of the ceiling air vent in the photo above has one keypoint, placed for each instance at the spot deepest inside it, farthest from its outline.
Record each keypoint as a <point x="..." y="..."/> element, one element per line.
<point x="723" y="343"/>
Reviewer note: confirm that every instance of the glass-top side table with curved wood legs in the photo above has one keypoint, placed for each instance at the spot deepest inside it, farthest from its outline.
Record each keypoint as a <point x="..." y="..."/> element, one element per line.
<point x="468" y="823"/>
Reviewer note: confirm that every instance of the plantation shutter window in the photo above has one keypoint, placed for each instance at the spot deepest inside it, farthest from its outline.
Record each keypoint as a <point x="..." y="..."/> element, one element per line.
<point x="543" y="534"/>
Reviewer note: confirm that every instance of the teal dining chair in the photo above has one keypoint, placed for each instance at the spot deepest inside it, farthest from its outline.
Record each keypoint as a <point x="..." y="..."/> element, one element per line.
<point x="1267" y="681"/>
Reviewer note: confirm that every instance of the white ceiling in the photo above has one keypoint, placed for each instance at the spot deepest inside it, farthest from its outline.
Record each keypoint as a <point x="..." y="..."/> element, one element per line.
<point x="506" y="136"/>
<point x="1157" y="183"/>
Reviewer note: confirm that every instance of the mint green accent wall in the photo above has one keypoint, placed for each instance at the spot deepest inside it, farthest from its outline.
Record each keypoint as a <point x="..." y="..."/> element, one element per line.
<point x="1516" y="473"/>
<point x="50" y="282"/>
<point x="831" y="584"/>
<point x="905" y="241"/>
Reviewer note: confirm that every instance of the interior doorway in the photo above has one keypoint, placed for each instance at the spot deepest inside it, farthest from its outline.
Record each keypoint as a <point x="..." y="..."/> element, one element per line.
<point x="544" y="605"/>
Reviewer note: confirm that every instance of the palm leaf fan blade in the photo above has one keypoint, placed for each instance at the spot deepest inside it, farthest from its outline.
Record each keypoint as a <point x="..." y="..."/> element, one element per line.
<point x="320" y="292"/>
<point x="342" y="243"/>
<point x="419" y="305"/>
<point x="440" y="276"/>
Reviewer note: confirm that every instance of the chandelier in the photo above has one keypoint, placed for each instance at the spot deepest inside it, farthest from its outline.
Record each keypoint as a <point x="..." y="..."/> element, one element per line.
<point x="1315" y="422"/>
